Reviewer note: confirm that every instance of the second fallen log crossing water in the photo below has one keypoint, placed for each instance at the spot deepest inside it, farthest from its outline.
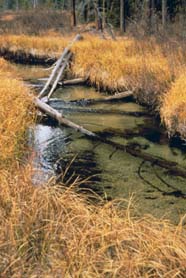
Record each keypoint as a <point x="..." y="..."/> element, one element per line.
<point x="53" y="113"/>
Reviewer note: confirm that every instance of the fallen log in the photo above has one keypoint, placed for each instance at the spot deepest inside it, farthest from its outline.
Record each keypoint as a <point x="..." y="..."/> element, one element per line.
<point x="60" y="73"/>
<point x="169" y="165"/>
<point x="76" y="109"/>
<point x="118" y="96"/>
<point x="60" y="118"/>
<point x="72" y="82"/>
<point x="57" y="66"/>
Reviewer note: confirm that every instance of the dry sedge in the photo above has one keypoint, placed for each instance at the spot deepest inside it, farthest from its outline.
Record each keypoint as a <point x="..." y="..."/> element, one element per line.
<point x="146" y="67"/>
<point x="14" y="116"/>
<point x="173" y="110"/>
<point x="51" y="231"/>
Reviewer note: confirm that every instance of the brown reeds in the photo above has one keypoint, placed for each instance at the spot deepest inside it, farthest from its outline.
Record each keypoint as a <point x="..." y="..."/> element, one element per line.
<point x="173" y="110"/>
<point x="15" y="104"/>
<point x="32" y="22"/>
<point x="146" y="67"/>
<point x="52" y="231"/>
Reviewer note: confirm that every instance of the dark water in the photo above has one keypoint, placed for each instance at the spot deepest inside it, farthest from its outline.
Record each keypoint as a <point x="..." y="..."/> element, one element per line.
<point x="112" y="173"/>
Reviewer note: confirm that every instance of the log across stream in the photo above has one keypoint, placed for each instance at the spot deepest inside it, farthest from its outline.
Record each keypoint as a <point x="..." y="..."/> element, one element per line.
<point x="113" y="173"/>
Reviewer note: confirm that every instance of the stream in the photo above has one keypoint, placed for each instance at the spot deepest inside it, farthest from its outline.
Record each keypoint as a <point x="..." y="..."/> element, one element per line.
<point x="110" y="172"/>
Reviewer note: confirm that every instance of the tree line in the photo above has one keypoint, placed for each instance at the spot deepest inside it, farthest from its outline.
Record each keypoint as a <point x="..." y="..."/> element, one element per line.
<point x="116" y="12"/>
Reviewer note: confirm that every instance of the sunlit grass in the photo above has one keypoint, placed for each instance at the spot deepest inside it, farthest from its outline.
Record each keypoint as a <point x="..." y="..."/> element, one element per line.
<point x="148" y="68"/>
<point x="124" y="64"/>
<point x="52" y="231"/>
<point x="14" y="113"/>
<point x="173" y="110"/>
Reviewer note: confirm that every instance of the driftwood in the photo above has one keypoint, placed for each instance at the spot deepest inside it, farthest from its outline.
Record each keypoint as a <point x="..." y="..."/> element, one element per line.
<point x="60" y="73"/>
<point x="57" y="66"/>
<point x="72" y="82"/>
<point x="118" y="96"/>
<point x="90" y="101"/>
<point x="103" y="111"/>
<point x="171" y="166"/>
<point x="60" y="118"/>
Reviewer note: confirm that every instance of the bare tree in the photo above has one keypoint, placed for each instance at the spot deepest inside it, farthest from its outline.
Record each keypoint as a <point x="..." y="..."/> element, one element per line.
<point x="164" y="13"/>
<point x="122" y="16"/>
<point x="73" y="8"/>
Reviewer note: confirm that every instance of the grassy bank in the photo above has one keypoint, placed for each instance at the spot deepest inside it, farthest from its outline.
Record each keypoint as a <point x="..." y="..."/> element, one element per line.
<point x="52" y="231"/>
<point x="149" y="68"/>
<point x="15" y="104"/>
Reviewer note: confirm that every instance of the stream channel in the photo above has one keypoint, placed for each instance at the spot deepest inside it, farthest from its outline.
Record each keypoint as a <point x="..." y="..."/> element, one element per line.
<point x="113" y="173"/>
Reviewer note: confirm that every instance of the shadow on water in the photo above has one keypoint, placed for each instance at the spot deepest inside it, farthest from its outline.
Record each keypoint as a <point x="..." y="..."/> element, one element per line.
<point x="111" y="172"/>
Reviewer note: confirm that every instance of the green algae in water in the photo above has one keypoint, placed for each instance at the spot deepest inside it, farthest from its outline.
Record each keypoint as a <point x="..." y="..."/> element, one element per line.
<point x="154" y="189"/>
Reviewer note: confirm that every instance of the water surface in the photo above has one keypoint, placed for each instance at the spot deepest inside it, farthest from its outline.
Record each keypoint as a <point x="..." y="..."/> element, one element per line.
<point x="112" y="173"/>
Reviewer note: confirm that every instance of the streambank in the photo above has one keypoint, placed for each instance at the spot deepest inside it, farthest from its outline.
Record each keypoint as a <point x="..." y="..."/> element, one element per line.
<point x="112" y="67"/>
<point x="110" y="171"/>
<point x="26" y="58"/>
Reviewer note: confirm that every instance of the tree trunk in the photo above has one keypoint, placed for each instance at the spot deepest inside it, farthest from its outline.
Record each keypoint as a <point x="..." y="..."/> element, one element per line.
<point x="57" y="66"/>
<point x="98" y="16"/>
<point x="104" y="13"/>
<point x="152" y="16"/>
<point x="73" y="7"/>
<point x="122" y="16"/>
<point x="85" y="11"/>
<point x="164" y="13"/>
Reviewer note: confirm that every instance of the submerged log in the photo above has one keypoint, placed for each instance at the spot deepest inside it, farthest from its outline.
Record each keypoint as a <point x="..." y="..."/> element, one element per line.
<point x="118" y="96"/>
<point x="155" y="160"/>
<point x="72" y="82"/>
<point x="60" y="118"/>
<point x="104" y="111"/>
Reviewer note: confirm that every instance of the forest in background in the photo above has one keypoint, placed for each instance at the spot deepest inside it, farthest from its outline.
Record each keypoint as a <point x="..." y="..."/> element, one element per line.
<point x="54" y="230"/>
<point x="139" y="16"/>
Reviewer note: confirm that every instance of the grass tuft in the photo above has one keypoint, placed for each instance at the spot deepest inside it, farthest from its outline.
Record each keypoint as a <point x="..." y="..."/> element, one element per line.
<point x="52" y="231"/>
<point x="14" y="114"/>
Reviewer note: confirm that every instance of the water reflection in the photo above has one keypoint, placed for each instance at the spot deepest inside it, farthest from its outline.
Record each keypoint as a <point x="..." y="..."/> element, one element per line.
<point x="114" y="173"/>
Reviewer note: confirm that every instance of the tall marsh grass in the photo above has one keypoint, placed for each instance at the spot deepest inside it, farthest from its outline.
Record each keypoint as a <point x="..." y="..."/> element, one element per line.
<point x="148" y="67"/>
<point x="52" y="231"/>
<point x="173" y="110"/>
<point x="14" y="114"/>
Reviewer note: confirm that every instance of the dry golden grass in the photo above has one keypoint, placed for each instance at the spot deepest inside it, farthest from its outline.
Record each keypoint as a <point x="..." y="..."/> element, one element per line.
<point x="14" y="116"/>
<point x="36" y="45"/>
<point x="51" y="231"/>
<point x="32" y="22"/>
<point x="146" y="67"/>
<point x="173" y="110"/>
<point x="115" y="66"/>
<point x="125" y="64"/>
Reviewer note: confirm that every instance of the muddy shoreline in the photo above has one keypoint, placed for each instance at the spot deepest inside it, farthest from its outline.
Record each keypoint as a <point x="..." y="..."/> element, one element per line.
<point x="21" y="57"/>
